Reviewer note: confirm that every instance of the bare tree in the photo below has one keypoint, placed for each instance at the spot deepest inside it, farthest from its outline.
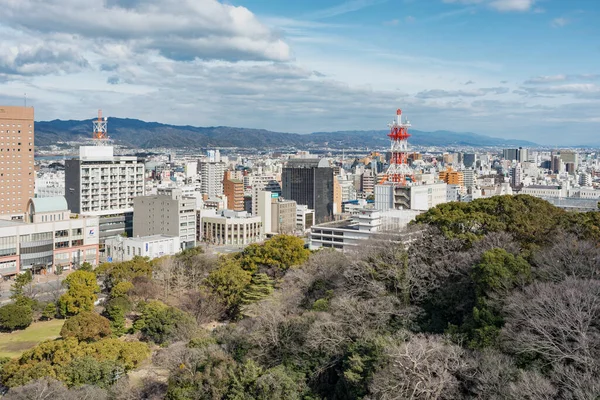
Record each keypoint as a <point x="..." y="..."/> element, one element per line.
<point x="203" y="305"/>
<point x="559" y="322"/>
<point x="568" y="257"/>
<point x="423" y="367"/>
<point x="50" y="389"/>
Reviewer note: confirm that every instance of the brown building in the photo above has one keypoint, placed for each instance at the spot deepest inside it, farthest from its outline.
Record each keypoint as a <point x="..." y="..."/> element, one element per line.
<point x="234" y="190"/>
<point x="283" y="216"/>
<point x="452" y="177"/>
<point x="17" y="175"/>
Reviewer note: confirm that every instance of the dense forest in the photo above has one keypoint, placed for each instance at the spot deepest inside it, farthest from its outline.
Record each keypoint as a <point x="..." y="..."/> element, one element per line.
<point x="498" y="298"/>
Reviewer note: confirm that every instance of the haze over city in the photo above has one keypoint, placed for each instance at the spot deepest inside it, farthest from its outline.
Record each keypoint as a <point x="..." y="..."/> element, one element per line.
<point x="524" y="69"/>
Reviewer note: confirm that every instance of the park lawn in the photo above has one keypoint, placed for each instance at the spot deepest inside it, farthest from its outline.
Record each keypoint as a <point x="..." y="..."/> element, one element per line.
<point x="15" y="343"/>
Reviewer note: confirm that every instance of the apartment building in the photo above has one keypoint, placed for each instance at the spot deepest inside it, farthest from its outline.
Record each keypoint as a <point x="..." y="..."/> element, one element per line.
<point x="98" y="183"/>
<point x="234" y="191"/>
<point x="168" y="213"/>
<point x="17" y="175"/>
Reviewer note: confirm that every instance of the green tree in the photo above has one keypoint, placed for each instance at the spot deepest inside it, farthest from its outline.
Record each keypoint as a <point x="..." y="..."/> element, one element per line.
<point x="278" y="253"/>
<point x="113" y="273"/>
<point x="115" y="310"/>
<point x="121" y="289"/>
<point x="86" y="326"/>
<point x="229" y="281"/>
<point x="81" y="295"/>
<point x="49" y="311"/>
<point x="86" y="266"/>
<point x="14" y="316"/>
<point x="494" y="277"/>
<point x="88" y="370"/>
<point x="162" y="323"/>
<point x="22" y="281"/>
<point x="260" y="287"/>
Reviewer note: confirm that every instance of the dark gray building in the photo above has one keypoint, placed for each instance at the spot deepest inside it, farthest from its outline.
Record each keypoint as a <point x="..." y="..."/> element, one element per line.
<point x="310" y="182"/>
<point x="469" y="160"/>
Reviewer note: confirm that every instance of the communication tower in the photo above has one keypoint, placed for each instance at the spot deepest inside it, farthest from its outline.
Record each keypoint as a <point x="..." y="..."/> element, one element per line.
<point x="399" y="172"/>
<point x="100" y="129"/>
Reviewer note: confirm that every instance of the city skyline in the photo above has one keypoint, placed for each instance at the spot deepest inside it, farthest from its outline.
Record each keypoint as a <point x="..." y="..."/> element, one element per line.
<point x="522" y="69"/>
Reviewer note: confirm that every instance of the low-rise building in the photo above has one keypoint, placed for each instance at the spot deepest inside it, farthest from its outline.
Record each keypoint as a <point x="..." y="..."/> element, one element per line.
<point x="305" y="217"/>
<point x="47" y="239"/>
<point x="229" y="227"/>
<point x="120" y="248"/>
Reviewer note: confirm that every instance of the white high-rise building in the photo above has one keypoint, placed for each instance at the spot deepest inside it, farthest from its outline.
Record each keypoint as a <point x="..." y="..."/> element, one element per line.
<point x="98" y="183"/>
<point x="260" y="183"/>
<point x="211" y="173"/>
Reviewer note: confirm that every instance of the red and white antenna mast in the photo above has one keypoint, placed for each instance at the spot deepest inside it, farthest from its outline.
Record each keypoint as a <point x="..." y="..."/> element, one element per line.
<point x="399" y="172"/>
<point x="100" y="128"/>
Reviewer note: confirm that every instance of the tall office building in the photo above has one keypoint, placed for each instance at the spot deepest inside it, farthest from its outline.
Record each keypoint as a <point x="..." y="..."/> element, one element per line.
<point x="101" y="184"/>
<point x="310" y="182"/>
<point x="469" y="159"/>
<point x="17" y="174"/>
<point x="261" y="183"/>
<point x="516" y="174"/>
<point x="168" y="213"/>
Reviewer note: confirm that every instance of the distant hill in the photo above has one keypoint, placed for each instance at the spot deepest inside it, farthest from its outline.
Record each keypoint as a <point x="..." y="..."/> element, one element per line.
<point x="140" y="134"/>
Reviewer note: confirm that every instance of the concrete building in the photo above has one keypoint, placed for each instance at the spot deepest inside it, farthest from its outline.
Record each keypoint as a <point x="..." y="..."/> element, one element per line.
<point x="48" y="238"/>
<point x="417" y="197"/>
<point x="260" y="183"/>
<point x="342" y="235"/>
<point x="516" y="174"/>
<point x="310" y="182"/>
<point x="211" y="176"/>
<point x="305" y="217"/>
<point x="283" y="216"/>
<point x="234" y="190"/>
<point x="469" y="178"/>
<point x="119" y="248"/>
<point x="101" y="184"/>
<point x="229" y="227"/>
<point x="168" y="213"/>
<point x="367" y="181"/>
<point x="17" y="175"/>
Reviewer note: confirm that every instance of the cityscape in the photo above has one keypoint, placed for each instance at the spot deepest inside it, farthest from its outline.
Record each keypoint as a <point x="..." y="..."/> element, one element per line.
<point x="248" y="200"/>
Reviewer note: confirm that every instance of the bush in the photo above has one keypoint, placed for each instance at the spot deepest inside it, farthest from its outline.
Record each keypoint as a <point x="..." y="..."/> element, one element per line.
<point x="49" y="311"/>
<point x="162" y="324"/>
<point x="87" y="326"/>
<point x="13" y="316"/>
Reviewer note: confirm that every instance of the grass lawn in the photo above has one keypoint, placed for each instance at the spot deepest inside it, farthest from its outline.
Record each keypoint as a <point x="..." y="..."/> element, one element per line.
<point x="15" y="343"/>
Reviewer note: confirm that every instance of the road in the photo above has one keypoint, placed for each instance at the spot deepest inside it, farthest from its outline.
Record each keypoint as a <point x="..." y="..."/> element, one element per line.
<point x="48" y="288"/>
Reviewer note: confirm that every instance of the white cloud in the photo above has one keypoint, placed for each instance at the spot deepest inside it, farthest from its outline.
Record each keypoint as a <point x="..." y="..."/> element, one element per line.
<point x="499" y="5"/>
<point x="559" y="22"/>
<point x="179" y="29"/>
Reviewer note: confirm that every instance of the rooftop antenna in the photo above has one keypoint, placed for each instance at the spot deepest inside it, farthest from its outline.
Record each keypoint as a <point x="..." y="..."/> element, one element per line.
<point x="100" y="129"/>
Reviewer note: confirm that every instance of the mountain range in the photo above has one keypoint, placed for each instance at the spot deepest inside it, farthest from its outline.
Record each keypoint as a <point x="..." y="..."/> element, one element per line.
<point x="140" y="134"/>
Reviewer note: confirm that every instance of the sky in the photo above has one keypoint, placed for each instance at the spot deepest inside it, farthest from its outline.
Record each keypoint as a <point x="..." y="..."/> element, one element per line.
<point x="522" y="69"/>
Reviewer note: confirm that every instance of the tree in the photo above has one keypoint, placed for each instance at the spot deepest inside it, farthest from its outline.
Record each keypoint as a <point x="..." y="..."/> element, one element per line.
<point x="229" y="282"/>
<point x="88" y="370"/>
<point x="49" y="311"/>
<point x="423" y="367"/>
<point x="14" y="316"/>
<point x="113" y="273"/>
<point x="121" y="289"/>
<point x="22" y="286"/>
<point x="162" y="323"/>
<point x="81" y="295"/>
<point x="261" y="286"/>
<point x="115" y="310"/>
<point x="278" y="254"/>
<point x="86" y="266"/>
<point x="54" y="359"/>
<point x="86" y="326"/>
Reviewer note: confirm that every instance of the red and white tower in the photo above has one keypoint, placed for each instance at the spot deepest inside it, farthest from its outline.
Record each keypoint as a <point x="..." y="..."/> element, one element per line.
<point x="399" y="172"/>
<point x="100" y="128"/>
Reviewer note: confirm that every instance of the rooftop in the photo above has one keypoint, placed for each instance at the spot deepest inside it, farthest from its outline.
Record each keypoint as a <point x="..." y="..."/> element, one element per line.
<point x="49" y="204"/>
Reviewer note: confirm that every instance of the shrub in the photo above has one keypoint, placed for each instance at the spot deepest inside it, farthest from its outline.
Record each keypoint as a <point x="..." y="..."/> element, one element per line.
<point x="14" y="316"/>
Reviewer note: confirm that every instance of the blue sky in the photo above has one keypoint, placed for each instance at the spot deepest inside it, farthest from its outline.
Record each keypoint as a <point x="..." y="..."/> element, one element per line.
<point x="515" y="68"/>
